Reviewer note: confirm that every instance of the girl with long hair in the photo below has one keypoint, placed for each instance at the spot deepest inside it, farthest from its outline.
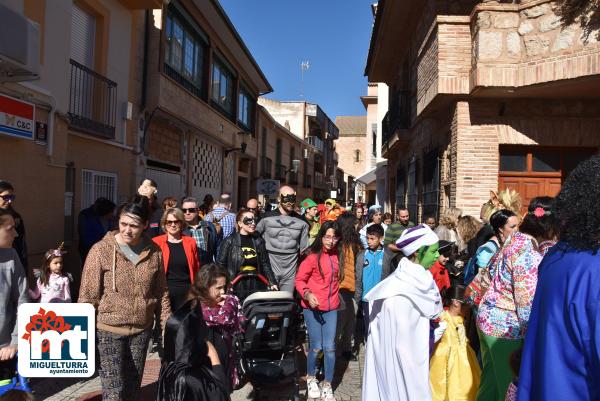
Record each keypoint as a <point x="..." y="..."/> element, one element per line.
<point x="349" y="246"/>
<point x="53" y="285"/>
<point x="317" y="281"/>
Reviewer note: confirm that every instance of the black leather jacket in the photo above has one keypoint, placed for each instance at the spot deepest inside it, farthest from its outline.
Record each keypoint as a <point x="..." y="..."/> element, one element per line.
<point x="230" y="256"/>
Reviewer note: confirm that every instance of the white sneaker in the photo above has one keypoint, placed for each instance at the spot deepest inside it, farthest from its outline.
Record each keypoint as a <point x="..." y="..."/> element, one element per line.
<point x="313" y="387"/>
<point x="327" y="393"/>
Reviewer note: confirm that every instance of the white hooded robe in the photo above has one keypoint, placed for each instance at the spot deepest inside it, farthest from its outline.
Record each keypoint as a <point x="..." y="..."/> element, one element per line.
<point x="397" y="354"/>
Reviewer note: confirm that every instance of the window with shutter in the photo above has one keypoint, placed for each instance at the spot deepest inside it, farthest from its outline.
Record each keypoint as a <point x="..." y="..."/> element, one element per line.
<point x="83" y="33"/>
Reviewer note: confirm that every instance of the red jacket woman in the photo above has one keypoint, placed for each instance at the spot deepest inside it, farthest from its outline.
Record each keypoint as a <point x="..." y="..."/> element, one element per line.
<point x="180" y="256"/>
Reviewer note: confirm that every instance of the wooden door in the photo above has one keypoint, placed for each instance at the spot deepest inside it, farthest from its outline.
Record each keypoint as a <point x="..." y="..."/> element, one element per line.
<point x="530" y="186"/>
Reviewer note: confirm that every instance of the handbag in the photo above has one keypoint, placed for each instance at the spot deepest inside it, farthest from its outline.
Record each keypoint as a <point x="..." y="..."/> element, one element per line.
<point x="479" y="286"/>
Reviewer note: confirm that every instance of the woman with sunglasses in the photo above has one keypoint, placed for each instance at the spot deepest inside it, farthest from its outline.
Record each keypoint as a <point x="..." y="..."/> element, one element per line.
<point x="180" y="256"/>
<point x="245" y="251"/>
<point x="7" y="197"/>
<point x="318" y="282"/>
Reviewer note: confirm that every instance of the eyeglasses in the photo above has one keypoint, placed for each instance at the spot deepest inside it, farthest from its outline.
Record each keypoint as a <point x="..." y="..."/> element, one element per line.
<point x="190" y="210"/>
<point x="8" y="198"/>
<point x="331" y="238"/>
<point x="249" y="220"/>
<point x="172" y="223"/>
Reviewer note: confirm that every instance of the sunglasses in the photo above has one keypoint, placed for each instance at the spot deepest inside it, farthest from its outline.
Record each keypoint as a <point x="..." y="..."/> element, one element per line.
<point x="249" y="220"/>
<point x="8" y="198"/>
<point x="190" y="210"/>
<point x="288" y="198"/>
<point x="172" y="223"/>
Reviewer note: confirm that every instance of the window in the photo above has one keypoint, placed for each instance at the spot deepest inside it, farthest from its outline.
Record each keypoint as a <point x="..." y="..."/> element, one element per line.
<point x="245" y="110"/>
<point x="374" y="135"/>
<point x="411" y="189"/>
<point x="96" y="184"/>
<point x="431" y="183"/>
<point x="222" y="87"/>
<point x="184" y="53"/>
<point x="513" y="160"/>
<point x="83" y="33"/>
<point x="357" y="156"/>
<point x="278" y="151"/>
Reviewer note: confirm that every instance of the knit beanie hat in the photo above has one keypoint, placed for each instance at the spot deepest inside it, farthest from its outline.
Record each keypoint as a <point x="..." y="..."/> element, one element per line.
<point x="414" y="238"/>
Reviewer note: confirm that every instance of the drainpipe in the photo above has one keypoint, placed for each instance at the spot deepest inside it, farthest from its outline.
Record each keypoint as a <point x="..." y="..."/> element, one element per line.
<point x="50" y="146"/>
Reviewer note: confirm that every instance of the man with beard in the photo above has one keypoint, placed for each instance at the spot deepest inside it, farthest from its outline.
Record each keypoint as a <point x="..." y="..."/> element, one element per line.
<point x="286" y="234"/>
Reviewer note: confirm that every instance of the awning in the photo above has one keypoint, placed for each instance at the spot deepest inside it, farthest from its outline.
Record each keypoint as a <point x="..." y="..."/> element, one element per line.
<point x="367" y="177"/>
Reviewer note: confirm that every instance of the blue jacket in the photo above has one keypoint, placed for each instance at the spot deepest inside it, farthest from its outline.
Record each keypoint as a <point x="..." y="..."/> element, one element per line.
<point x="561" y="356"/>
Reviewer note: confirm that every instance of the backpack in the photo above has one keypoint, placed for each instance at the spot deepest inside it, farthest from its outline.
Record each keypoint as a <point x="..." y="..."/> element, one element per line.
<point x="218" y="227"/>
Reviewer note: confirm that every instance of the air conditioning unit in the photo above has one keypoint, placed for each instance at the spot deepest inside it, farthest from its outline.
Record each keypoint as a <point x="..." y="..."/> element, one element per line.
<point x="19" y="47"/>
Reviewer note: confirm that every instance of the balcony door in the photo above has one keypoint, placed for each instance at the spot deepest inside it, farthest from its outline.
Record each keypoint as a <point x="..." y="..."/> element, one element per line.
<point x="83" y="39"/>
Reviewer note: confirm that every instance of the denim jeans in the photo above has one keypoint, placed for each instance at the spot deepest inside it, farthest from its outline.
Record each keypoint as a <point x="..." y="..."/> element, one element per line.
<point x="321" y="336"/>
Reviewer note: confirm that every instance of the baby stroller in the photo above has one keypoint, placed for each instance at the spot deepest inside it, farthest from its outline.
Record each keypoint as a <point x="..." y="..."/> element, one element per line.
<point x="10" y="379"/>
<point x="267" y="348"/>
<point x="247" y="283"/>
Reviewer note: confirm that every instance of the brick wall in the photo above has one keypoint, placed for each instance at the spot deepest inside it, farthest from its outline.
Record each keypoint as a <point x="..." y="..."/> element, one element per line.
<point x="476" y="160"/>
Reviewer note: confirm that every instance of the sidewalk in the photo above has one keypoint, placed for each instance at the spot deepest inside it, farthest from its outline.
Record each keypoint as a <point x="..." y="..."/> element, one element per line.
<point x="348" y="389"/>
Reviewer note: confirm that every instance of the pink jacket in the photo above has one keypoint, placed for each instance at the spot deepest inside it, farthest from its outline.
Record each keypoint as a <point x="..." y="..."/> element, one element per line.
<point x="326" y="287"/>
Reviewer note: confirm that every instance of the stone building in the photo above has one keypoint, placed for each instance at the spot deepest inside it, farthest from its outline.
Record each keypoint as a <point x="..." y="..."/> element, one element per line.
<point x="199" y="84"/>
<point x="310" y="123"/>
<point x="68" y="133"/>
<point x="354" y="152"/>
<point x="483" y="96"/>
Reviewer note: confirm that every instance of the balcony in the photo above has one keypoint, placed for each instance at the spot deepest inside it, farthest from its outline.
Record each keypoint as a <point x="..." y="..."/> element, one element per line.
<point x="316" y="142"/>
<point x="280" y="170"/>
<point x="92" y="102"/>
<point x="266" y="165"/>
<point x="398" y="116"/>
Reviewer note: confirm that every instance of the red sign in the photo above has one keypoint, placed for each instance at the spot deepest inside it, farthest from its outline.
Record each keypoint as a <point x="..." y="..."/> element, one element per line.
<point x="17" y="118"/>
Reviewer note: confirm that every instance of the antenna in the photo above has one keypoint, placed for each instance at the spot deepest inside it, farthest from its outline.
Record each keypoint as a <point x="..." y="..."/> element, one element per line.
<point x="304" y="66"/>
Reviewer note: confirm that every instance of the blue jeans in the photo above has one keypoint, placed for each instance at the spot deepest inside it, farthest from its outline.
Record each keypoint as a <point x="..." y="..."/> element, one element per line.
<point x="321" y="328"/>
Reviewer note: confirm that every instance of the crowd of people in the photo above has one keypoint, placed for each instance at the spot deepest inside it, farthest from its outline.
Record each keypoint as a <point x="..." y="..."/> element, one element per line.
<point x="502" y="306"/>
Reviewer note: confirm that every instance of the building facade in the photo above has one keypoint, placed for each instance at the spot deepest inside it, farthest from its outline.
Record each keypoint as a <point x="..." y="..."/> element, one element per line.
<point x="483" y="96"/>
<point x="310" y="123"/>
<point x="199" y="86"/>
<point x="355" y="154"/>
<point x="66" y="75"/>
<point x="278" y="147"/>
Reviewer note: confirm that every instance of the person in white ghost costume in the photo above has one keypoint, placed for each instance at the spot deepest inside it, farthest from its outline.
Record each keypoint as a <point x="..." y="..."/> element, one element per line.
<point x="400" y="308"/>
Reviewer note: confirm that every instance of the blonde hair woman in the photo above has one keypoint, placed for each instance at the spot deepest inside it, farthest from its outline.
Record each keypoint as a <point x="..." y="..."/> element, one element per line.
<point x="447" y="229"/>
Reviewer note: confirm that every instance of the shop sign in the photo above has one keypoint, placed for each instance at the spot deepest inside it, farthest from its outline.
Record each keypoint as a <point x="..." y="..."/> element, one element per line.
<point x="17" y="118"/>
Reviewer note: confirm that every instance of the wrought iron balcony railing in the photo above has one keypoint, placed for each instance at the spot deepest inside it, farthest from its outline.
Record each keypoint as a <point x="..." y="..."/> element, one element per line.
<point x="92" y="102"/>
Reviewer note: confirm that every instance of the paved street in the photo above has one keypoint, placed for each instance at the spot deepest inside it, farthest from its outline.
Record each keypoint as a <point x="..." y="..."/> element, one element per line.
<point x="349" y="389"/>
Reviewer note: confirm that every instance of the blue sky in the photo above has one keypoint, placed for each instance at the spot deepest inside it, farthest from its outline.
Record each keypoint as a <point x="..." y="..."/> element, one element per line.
<point x="333" y="35"/>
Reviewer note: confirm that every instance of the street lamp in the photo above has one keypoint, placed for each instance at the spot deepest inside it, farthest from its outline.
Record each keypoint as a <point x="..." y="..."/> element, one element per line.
<point x="242" y="147"/>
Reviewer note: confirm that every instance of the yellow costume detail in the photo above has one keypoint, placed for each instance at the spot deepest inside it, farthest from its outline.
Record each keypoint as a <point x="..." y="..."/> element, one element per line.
<point x="453" y="369"/>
